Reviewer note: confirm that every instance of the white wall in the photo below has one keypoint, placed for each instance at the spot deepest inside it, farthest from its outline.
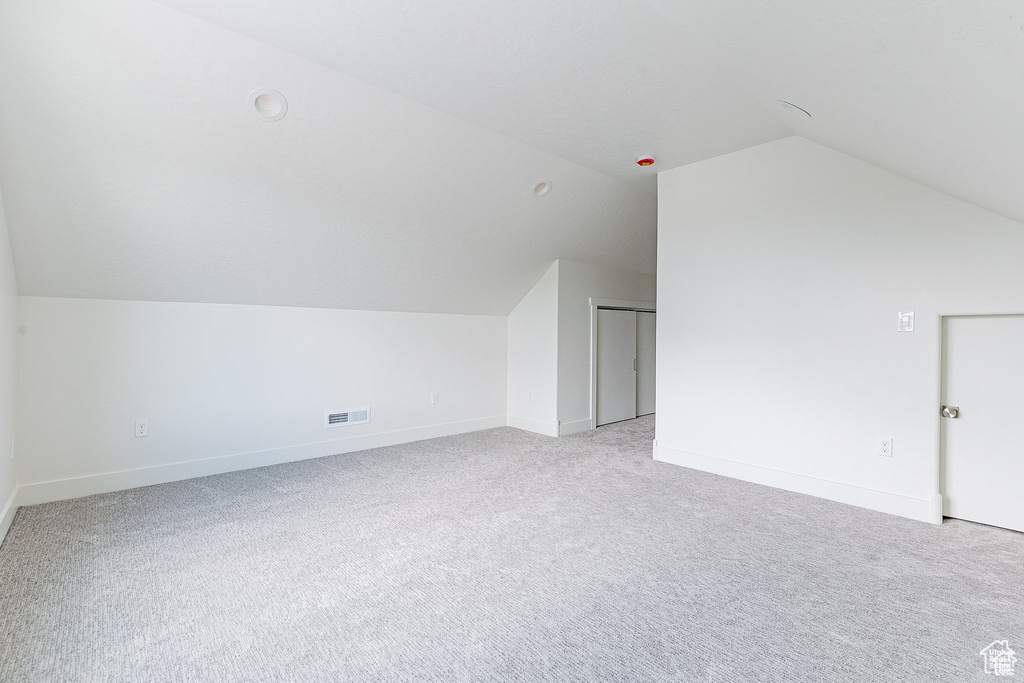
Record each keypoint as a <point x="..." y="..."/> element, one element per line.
<point x="781" y="269"/>
<point x="227" y="387"/>
<point x="250" y="382"/>
<point x="8" y="375"/>
<point x="577" y="283"/>
<point x="533" y="358"/>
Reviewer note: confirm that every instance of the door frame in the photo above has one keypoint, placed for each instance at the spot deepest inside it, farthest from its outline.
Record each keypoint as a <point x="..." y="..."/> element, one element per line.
<point x="616" y="304"/>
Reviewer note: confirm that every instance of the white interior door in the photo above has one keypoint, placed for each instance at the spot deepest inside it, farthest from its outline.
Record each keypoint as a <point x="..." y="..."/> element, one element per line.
<point x="983" y="449"/>
<point x="616" y="358"/>
<point x="645" y="356"/>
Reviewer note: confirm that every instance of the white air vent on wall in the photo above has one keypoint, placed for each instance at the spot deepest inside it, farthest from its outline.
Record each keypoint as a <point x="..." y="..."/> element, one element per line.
<point x="352" y="416"/>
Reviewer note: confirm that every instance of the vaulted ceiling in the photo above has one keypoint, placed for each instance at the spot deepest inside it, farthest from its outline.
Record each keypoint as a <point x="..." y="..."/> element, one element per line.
<point x="400" y="179"/>
<point x="929" y="89"/>
<point x="597" y="82"/>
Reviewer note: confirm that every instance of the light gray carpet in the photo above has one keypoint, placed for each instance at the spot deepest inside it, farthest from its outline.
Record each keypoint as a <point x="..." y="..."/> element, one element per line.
<point x="497" y="556"/>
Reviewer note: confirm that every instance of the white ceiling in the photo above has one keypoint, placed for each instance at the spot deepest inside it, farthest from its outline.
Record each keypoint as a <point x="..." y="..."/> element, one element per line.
<point x="400" y="178"/>
<point x="930" y="89"/>
<point x="131" y="168"/>
<point x="597" y="82"/>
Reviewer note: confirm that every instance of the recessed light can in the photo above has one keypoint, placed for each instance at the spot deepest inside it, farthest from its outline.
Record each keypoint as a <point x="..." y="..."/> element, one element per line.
<point x="268" y="104"/>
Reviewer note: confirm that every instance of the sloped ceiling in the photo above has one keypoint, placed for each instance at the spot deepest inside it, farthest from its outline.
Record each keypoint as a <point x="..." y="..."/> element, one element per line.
<point x="400" y="178"/>
<point x="930" y="89"/>
<point x="597" y="82"/>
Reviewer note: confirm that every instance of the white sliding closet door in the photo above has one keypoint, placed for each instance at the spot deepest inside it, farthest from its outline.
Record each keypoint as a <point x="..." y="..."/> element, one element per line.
<point x="616" y="359"/>
<point x="645" y="355"/>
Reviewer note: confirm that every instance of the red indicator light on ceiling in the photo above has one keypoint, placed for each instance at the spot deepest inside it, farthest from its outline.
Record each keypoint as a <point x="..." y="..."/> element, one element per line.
<point x="645" y="161"/>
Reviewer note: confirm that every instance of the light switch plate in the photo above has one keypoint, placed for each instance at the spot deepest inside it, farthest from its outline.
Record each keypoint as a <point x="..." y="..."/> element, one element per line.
<point x="905" y="321"/>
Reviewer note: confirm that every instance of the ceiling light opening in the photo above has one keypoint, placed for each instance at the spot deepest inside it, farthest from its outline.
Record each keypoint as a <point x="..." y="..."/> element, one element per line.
<point x="268" y="104"/>
<point x="542" y="188"/>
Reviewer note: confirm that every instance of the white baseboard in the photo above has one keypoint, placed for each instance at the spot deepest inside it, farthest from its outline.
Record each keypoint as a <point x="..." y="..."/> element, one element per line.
<point x="535" y="426"/>
<point x="574" y="427"/>
<point x="7" y="513"/>
<point x="75" y="487"/>
<point x="923" y="509"/>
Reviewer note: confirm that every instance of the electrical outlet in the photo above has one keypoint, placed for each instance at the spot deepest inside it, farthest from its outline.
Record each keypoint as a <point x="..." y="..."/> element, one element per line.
<point x="434" y="398"/>
<point x="885" y="447"/>
<point x="141" y="428"/>
<point x="529" y="395"/>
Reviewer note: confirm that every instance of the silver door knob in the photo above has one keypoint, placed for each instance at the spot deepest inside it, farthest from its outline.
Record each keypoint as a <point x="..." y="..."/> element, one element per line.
<point x="952" y="412"/>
